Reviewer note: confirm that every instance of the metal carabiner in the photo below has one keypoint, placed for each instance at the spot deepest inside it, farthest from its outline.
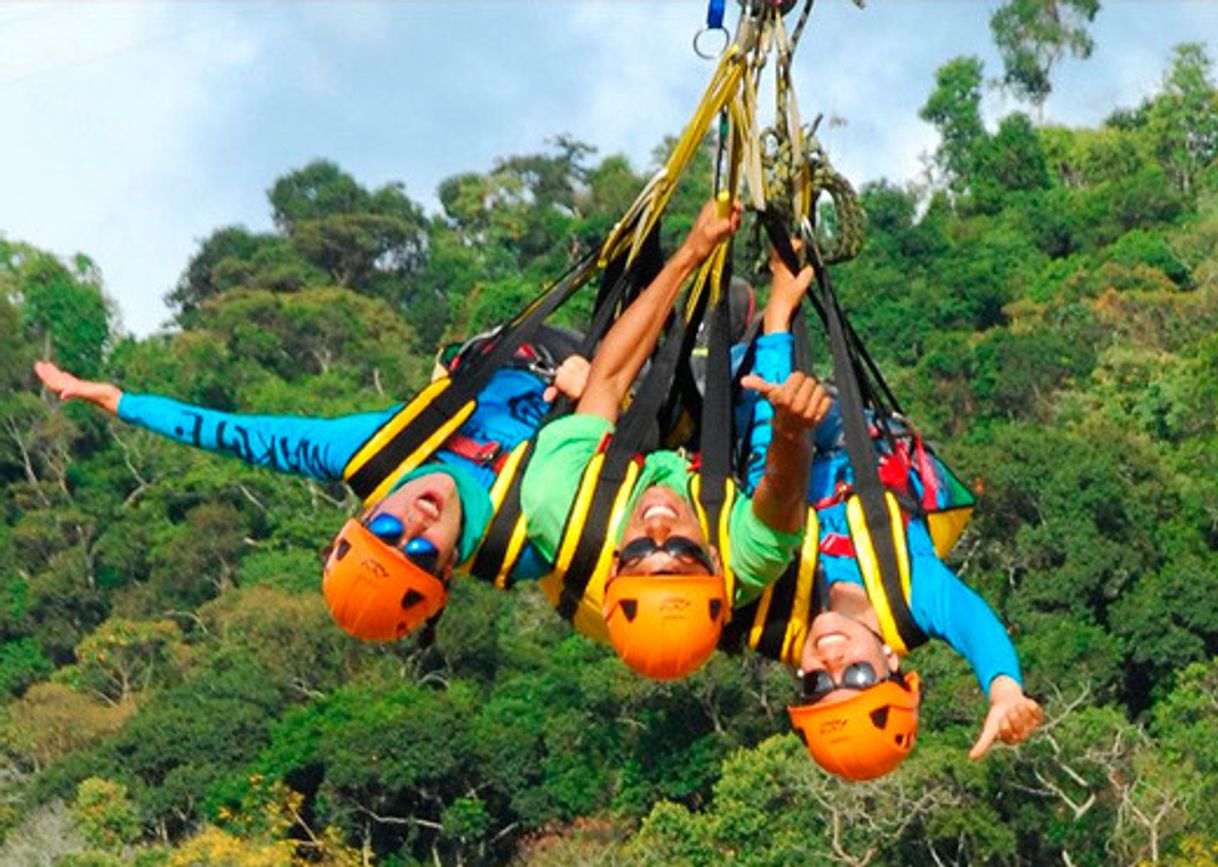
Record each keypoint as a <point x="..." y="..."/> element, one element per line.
<point x="705" y="55"/>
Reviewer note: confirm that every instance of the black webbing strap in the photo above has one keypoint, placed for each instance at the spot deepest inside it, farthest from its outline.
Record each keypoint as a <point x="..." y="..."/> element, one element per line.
<point x="467" y="382"/>
<point x="875" y="388"/>
<point x="617" y="284"/>
<point x="859" y="448"/>
<point x="717" y="435"/>
<point x="635" y="426"/>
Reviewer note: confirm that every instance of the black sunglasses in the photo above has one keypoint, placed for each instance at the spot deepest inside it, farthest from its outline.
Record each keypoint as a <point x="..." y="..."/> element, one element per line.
<point x="420" y="550"/>
<point x="681" y="548"/>
<point x="857" y="676"/>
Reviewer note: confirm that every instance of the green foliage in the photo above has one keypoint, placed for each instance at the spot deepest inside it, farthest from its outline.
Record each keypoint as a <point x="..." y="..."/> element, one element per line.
<point x="22" y="663"/>
<point x="1046" y="308"/>
<point x="954" y="107"/>
<point x="104" y="815"/>
<point x="1033" y="35"/>
<point x="62" y="307"/>
<point x="1183" y="119"/>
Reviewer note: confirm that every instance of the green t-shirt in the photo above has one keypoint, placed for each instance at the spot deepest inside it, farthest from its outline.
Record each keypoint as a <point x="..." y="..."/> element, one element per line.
<point x="564" y="448"/>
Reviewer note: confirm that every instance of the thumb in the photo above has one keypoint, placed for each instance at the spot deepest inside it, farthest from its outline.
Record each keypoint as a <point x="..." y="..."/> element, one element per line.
<point x="753" y="382"/>
<point x="550" y="393"/>
<point x="988" y="732"/>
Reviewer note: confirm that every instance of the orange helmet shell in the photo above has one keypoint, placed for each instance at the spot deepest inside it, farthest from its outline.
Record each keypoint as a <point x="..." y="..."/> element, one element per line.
<point x="373" y="591"/>
<point x="665" y="626"/>
<point x="865" y="735"/>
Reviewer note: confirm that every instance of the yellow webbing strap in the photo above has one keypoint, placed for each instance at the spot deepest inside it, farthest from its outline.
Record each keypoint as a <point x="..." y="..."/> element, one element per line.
<point x="642" y="215"/>
<point x="797" y="618"/>
<point x="503" y="481"/>
<point x="588" y="618"/>
<point x="801" y="606"/>
<point x="872" y="581"/>
<point x="520" y="537"/>
<point x="757" y="630"/>
<point x="721" y="538"/>
<point x="395" y="425"/>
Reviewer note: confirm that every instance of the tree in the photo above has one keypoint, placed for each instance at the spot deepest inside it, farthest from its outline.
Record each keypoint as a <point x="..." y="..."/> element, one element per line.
<point x="1184" y="117"/>
<point x="120" y="657"/>
<point x="104" y="815"/>
<point x="52" y="720"/>
<point x="954" y="107"/>
<point x="62" y="307"/>
<point x="234" y="257"/>
<point x="1034" y="35"/>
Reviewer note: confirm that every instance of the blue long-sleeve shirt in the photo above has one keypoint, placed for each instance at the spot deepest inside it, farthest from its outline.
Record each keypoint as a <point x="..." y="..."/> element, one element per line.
<point x="508" y="412"/>
<point x="942" y="605"/>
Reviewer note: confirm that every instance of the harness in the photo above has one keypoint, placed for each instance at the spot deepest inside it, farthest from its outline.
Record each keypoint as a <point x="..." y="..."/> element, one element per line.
<point x="776" y="624"/>
<point x="585" y="553"/>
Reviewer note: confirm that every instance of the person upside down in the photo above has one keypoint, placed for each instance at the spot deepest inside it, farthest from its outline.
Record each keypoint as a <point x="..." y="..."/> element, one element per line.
<point x="404" y="547"/>
<point x="859" y="708"/>
<point x="659" y="543"/>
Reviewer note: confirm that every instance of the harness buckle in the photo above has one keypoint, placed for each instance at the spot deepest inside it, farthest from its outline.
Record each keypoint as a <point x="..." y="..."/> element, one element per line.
<point x="483" y="454"/>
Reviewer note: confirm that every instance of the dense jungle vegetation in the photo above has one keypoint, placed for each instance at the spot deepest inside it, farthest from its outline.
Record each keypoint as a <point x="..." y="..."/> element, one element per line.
<point x="173" y="691"/>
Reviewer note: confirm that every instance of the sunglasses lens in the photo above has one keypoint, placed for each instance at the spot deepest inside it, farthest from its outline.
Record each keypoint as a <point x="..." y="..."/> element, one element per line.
<point x="681" y="548"/>
<point x="423" y="553"/>
<point x="386" y="527"/>
<point x="687" y="551"/>
<point x="858" y="675"/>
<point x="637" y="550"/>
<point x="817" y="684"/>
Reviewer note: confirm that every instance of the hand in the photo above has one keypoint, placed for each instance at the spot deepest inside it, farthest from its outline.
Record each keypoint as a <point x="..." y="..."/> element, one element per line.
<point x="800" y="403"/>
<point x="1012" y="716"/>
<point x="786" y="289"/>
<point x="709" y="229"/>
<point x="69" y="387"/>
<point x="570" y="379"/>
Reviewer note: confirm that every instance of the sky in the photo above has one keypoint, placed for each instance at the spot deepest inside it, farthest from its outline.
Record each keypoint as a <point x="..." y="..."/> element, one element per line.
<point x="132" y="130"/>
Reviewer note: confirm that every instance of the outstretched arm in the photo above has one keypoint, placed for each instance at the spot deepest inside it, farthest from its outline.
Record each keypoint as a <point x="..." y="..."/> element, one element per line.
<point x="316" y="447"/>
<point x="633" y="336"/>
<point x="945" y="607"/>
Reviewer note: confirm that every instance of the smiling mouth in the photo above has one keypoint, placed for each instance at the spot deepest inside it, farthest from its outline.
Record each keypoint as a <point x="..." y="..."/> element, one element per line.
<point x="659" y="510"/>
<point x="829" y="639"/>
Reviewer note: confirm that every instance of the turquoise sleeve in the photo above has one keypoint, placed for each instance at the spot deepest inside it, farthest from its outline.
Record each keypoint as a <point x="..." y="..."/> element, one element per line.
<point x="315" y="447"/>
<point x="947" y="608"/>
<point x="772" y="363"/>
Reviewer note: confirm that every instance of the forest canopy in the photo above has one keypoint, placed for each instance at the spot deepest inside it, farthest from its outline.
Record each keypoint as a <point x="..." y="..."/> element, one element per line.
<point x="1046" y="304"/>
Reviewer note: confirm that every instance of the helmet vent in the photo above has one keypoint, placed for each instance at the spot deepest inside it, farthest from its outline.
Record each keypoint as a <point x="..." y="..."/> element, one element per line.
<point x="879" y="717"/>
<point x="716" y="605"/>
<point x="412" y="598"/>
<point x="630" y="607"/>
<point x="343" y="547"/>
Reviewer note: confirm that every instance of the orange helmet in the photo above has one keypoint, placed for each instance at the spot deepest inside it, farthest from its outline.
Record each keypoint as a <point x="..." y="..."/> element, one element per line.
<point x="665" y="626"/>
<point x="865" y="735"/>
<point x="374" y="592"/>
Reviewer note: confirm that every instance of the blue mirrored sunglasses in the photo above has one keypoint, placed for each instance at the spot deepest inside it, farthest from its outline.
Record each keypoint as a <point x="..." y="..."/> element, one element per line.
<point x="420" y="550"/>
